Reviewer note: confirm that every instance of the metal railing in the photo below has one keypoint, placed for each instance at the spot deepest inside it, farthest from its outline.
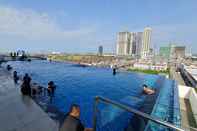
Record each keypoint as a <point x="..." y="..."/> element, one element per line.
<point x="131" y="110"/>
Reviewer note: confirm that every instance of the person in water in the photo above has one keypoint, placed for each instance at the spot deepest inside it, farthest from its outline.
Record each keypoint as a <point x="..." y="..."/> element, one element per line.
<point x="15" y="76"/>
<point x="25" y="87"/>
<point x="72" y="121"/>
<point x="9" y="67"/>
<point x="51" y="88"/>
<point x="147" y="90"/>
<point x="114" y="71"/>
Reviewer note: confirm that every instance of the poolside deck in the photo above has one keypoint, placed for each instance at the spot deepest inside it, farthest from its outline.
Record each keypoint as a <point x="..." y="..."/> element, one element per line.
<point x="18" y="112"/>
<point x="187" y="119"/>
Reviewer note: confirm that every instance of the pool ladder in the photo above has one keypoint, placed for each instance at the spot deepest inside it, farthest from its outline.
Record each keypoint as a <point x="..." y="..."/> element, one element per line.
<point x="131" y="110"/>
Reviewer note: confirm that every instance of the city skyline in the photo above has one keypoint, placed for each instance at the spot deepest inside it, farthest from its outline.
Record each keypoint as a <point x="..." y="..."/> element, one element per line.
<point x="136" y="44"/>
<point x="82" y="26"/>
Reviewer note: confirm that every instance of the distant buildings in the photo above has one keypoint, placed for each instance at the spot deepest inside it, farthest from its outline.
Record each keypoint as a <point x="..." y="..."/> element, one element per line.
<point x="145" y="66"/>
<point x="20" y="53"/>
<point x="139" y="36"/>
<point x="100" y="50"/>
<point x="134" y="43"/>
<point x="179" y="52"/>
<point x="164" y="52"/>
<point x="123" y="43"/>
<point x="146" y="41"/>
<point x="172" y="52"/>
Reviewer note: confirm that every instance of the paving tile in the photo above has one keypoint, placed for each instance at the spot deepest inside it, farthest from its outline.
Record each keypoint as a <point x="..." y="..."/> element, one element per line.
<point x="8" y="121"/>
<point x="35" y="125"/>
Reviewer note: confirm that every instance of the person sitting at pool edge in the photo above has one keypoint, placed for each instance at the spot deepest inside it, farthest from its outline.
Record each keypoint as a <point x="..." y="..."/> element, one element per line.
<point x="26" y="87"/>
<point x="72" y="121"/>
<point x="9" y="67"/>
<point x="15" y="77"/>
<point x="51" y="88"/>
<point x="147" y="90"/>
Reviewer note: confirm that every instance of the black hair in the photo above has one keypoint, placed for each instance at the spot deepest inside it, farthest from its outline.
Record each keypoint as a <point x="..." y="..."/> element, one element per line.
<point x="50" y="83"/>
<point x="73" y="106"/>
<point x="144" y="85"/>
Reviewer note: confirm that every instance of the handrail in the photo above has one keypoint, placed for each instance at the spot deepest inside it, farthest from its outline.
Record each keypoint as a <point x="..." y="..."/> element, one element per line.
<point x="129" y="109"/>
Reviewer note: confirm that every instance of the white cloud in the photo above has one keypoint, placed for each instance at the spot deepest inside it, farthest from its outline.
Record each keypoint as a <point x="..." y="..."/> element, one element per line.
<point x="34" y="25"/>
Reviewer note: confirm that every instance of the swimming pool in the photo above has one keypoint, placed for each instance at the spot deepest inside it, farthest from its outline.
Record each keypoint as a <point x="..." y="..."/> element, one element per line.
<point x="77" y="84"/>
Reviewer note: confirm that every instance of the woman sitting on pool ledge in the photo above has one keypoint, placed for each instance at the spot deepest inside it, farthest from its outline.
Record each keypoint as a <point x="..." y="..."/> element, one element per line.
<point x="147" y="90"/>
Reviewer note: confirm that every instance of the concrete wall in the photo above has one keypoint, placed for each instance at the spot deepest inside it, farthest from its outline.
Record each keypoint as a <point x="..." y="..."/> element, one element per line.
<point x="184" y="91"/>
<point x="190" y="94"/>
<point x="193" y="102"/>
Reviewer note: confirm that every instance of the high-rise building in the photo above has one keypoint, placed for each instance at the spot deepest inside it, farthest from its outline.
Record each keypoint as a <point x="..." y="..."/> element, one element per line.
<point x="172" y="52"/>
<point x="139" y="36"/>
<point x="100" y="50"/>
<point x="134" y="43"/>
<point x="123" y="43"/>
<point x="146" y="41"/>
<point x="179" y="52"/>
<point x="164" y="52"/>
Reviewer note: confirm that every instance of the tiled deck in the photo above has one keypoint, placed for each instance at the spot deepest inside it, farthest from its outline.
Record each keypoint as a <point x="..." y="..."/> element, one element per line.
<point x="18" y="112"/>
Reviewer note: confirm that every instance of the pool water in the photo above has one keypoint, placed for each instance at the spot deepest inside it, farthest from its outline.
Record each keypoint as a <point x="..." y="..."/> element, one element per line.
<point x="80" y="85"/>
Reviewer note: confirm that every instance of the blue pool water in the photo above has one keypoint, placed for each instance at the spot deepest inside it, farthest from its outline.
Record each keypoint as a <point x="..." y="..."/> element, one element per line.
<point x="76" y="84"/>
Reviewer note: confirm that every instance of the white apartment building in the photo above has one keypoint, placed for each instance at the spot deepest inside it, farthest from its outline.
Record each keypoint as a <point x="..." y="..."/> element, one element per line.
<point x="123" y="43"/>
<point x="146" y="42"/>
<point x="134" y="43"/>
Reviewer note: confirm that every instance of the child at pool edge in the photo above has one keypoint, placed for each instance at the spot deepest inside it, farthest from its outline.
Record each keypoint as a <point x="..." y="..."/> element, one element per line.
<point x="72" y="121"/>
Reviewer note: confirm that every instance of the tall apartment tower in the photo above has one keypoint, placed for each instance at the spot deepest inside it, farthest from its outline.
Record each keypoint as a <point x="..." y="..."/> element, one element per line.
<point x="123" y="43"/>
<point x="133" y="43"/>
<point x="146" y="41"/>
<point x="139" y="36"/>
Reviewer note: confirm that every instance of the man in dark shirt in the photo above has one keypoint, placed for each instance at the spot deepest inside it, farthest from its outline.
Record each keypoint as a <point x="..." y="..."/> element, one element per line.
<point x="72" y="121"/>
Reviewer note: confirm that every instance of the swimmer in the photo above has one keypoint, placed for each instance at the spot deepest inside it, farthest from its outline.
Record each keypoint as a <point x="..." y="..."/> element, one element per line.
<point x="147" y="90"/>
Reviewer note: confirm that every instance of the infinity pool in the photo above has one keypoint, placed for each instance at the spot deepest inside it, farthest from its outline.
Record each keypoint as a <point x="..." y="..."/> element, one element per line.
<point x="80" y="85"/>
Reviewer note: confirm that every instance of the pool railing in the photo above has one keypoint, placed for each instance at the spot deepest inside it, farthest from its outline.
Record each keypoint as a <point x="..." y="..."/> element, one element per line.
<point x="130" y="110"/>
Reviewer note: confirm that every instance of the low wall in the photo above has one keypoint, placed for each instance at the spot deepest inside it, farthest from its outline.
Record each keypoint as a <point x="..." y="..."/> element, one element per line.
<point x="184" y="91"/>
<point x="190" y="94"/>
<point x="193" y="102"/>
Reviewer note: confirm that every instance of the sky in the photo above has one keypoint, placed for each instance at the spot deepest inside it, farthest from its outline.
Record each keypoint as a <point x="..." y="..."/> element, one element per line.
<point x="80" y="26"/>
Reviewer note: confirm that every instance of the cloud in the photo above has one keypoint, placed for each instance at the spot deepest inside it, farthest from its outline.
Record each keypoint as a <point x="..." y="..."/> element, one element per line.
<point x="30" y="24"/>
